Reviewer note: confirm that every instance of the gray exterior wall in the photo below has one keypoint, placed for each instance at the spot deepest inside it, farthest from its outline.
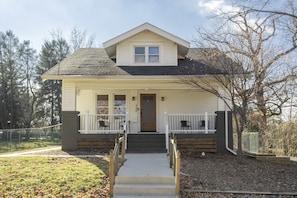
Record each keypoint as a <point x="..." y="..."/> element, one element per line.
<point x="221" y="130"/>
<point x="70" y="129"/>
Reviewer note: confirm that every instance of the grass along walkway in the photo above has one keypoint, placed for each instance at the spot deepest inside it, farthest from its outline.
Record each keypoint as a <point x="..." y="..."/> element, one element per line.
<point x="53" y="177"/>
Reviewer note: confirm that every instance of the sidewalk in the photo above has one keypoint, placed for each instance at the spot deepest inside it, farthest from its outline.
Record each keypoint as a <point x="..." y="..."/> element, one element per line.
<point x="46" y="153"/>
<point x="35" y="152"/>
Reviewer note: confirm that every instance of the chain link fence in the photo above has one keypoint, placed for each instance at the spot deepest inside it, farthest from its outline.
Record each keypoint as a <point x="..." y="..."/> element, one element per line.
<point x="27" y="138"/>
<point x="274" y="141"/>
<point x="249" y="142"/>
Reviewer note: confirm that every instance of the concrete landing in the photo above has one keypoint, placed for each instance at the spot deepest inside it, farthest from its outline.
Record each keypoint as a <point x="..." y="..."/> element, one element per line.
<point x="146" y="164"/>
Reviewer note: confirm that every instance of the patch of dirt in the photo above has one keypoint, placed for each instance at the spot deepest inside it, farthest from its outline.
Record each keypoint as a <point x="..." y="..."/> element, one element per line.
<point x="218" y="172"/>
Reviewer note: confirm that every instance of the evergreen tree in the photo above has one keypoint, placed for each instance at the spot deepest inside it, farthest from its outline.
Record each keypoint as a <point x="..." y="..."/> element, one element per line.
<point x="50" y="93"/>
<point x="10" y="80"/>
<point x="28" y="60"/>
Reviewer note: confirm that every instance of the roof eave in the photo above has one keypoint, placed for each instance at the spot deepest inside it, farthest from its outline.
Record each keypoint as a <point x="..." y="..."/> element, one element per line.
<point x="115" y="77"/>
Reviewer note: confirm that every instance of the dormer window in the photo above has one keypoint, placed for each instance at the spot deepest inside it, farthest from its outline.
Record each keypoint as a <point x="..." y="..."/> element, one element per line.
<point x="146" y="54"/>
<point x="139" y="54"/>
<point x="153" y="56"/>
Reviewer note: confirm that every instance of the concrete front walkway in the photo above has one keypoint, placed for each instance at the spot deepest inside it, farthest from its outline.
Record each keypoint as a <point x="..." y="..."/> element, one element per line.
<point x="145" y="175"/>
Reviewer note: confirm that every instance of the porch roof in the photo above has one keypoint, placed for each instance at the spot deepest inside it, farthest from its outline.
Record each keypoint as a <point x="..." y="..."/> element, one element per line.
<point x="95" y="62"/>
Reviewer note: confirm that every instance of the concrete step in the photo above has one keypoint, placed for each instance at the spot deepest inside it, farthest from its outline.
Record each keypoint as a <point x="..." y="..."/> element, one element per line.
<point x="144" y="185"/>
<point x="144" y="189"/>
<point x="145" y="196"/>
<point x="145" y="180"/>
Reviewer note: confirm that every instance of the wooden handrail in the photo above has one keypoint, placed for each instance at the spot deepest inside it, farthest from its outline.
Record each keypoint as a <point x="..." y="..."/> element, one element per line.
<point x="115" y="162"/>
<point x="174" y="155"/>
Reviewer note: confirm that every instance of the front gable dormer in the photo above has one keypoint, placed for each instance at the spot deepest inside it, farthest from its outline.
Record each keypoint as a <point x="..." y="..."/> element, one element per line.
<point x="146" y="45"/>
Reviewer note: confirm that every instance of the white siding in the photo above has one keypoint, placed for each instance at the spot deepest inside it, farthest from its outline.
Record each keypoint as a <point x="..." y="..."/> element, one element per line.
<point x="168" y="49"/>
<point x="86" y="102"/>
<point x="185" y="102"/>
<point x="178" y="99"/>
<point x="68" y="97"/>
<point x="221" y="104"/>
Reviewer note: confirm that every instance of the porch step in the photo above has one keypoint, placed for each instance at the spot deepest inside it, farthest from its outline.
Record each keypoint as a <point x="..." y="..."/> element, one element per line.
<point x="146" y="143"/>
<point x="151" y="186"/>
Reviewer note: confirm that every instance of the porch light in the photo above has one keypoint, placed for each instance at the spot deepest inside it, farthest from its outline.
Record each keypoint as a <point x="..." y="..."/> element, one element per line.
<point x="162" y="98"/>
<point x="133" y="98"/>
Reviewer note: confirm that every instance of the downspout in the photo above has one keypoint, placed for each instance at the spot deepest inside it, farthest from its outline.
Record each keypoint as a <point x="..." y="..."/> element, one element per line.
<point x="226" y="134"/>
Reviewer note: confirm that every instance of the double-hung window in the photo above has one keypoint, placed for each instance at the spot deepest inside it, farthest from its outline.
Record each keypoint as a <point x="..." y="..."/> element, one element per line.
<point x="139" y="55"/>
<point x="153" y="55"/>
<point x="102" y="104"/>
<point x="146" y="54"/>
<point x="119" y="104"/>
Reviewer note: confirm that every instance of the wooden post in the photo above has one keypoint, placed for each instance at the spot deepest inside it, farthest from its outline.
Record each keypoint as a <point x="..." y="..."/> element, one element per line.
<point x="174" y="155"/>
<point x="116" y="154"/>
<point x="206" y="123"/>
<point x="177" y="174"/>
<point x="170" y="151"/>
<point x="117" y="138"/>
<point x="123" y="149"/>
<point x="111" y="172"/>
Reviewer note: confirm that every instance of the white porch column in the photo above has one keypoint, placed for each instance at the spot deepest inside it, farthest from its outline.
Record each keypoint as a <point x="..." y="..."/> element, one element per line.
<point x="206" y="123"/>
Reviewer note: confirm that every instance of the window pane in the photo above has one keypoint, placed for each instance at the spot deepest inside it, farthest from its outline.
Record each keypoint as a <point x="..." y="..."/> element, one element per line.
<point x="139" y="50"/>
<point x="119" y="104"/>
<point x="153" y="58"/>
<point x="102" y="104"/>
<point x="139" y="58"/>
<point x="154" y="50"/>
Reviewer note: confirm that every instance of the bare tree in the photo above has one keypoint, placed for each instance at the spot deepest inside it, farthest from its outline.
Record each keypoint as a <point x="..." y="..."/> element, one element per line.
<point x="80" y="39"/>
<point x="258" y="76"/>
<point x="284" y="14"/>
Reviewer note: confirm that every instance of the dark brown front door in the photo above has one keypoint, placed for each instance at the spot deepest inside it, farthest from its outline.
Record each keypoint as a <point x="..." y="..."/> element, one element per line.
<point x="148" y="112"/>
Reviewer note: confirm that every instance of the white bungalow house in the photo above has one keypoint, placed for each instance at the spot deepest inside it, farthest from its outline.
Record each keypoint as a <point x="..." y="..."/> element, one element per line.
<point x="133" y="84"/>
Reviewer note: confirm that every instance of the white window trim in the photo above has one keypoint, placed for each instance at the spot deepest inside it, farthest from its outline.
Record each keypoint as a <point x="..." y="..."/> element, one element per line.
<point x="146" y="51"/>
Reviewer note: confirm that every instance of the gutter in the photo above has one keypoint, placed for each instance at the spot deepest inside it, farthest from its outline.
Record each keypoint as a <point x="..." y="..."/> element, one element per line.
<point x="226" y="134"/>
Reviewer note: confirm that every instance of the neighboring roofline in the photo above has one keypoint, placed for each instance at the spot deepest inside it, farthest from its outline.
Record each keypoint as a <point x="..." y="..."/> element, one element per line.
<point x="146" y="26"/>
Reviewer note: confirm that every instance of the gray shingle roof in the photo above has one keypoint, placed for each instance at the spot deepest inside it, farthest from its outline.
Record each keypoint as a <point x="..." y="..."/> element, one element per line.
<point x="95" y="62"/>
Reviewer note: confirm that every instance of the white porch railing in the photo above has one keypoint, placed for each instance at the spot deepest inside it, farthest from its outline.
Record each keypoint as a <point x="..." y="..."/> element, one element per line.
<point x="190" y="124"/>
<point x="102" y="123"/>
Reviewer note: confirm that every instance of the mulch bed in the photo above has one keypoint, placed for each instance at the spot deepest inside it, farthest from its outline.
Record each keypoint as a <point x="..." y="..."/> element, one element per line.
<point x="227" y="173"/>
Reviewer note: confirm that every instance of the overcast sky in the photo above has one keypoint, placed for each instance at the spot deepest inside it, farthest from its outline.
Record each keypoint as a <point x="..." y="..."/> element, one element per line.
<point x="34" y="19"/>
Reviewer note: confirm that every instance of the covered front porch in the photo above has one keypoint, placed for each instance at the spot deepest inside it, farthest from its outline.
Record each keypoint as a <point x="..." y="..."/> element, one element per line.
<point x="201" y="132"/>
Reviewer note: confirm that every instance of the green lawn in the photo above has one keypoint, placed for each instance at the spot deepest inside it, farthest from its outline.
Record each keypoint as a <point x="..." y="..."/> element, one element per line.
<point x="53" y="177"/>
<point x="12" y="146"/>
